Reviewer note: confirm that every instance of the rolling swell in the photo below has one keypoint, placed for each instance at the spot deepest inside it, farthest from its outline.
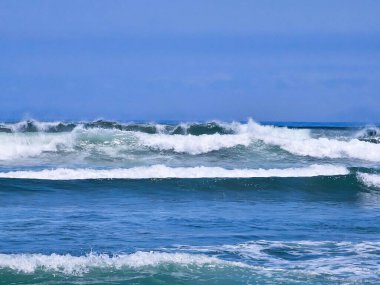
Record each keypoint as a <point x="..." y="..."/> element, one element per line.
<point x="314" y="185"/>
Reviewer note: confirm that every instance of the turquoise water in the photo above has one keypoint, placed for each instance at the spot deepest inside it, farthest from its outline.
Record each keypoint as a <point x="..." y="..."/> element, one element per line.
<point x="208" y="203"/>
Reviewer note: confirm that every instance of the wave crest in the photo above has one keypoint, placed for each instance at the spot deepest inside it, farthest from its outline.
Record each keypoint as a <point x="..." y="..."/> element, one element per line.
<point x="300" y="142"/>
<point x="193" y="139"/>
<point x="193" y="144"/>
<point x="69" y="264"/>
<point x="370" y="180"/>
<point x="16" y="146"/>
<point x="162" y="171"/>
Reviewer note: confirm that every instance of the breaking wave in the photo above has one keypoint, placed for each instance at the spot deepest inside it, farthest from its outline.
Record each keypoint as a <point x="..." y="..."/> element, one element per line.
<point x="281" y="260"/>
<point x="300" y="142"/>
<point x="31" y="139"/>
<point x="68" y="264"/>
<point x="162" y="171"/>
<point x="370" y="180"/>
<point x="193" y="144"/>
<point x="369" y="134"/>
<point x="16" y="146"/>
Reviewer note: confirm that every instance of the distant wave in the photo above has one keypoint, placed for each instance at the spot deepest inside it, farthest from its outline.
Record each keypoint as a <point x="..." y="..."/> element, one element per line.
<point x="32" y="126"/>
<point x="161" y="171"/>
<point x="31" y="139"/>
<point x="295" y="141"/>
<point x="193" y="144"/>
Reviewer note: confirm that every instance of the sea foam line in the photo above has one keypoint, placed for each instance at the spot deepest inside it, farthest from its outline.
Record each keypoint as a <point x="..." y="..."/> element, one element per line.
<point x="162" y="171"/>
<point x="351" y="260"/>
<point x="76" y="265"/>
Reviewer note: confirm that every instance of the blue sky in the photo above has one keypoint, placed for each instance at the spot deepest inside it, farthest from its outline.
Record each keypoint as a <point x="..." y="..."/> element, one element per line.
<point x="190" y="60"/>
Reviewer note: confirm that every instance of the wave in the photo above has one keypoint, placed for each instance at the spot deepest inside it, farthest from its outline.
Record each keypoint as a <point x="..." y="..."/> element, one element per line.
<point x="370" y="180"/>
<point x="193" y="139"/>
<point x="300" y="142"/>
<point x="161" y="171"/>
<point x="357" y="260"/>
<point x="69" y="264"/>
<point x="192" y="144"/>
<point x="369" y="134"/>
<point x="280" y="260"/>
<point x="35" y="126"/>
<point x="295" y="141"/>
<point x="31" y="126"/>
<point x="17" y="146"/>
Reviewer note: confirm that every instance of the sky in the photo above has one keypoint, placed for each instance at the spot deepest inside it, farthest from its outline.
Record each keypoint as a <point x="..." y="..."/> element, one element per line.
<point x="193" y="60"/>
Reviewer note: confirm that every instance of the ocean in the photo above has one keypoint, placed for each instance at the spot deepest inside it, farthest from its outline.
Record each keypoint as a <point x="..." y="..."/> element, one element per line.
<point x="106" y="202"/>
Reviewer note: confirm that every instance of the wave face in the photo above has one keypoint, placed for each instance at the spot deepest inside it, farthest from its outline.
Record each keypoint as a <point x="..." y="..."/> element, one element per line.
<point x="229" y="203"/>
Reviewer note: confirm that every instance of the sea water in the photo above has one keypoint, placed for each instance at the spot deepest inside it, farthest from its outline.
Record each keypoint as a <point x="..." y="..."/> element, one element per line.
<point x="189" y="203"/>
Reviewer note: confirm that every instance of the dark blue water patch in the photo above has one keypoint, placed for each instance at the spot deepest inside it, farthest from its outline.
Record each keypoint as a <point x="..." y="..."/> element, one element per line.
<point x="342" y="188"/>
<point x="127" y="215"/>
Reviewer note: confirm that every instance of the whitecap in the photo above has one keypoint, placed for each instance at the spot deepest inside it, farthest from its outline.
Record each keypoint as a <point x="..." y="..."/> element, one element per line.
<point x="162" y="171"/>
<point x="76" y="265"/>
<point x="370" y="180"/>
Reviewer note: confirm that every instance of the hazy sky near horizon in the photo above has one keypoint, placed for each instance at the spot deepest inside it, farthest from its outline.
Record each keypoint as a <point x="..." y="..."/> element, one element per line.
<point x="278" y="60"/>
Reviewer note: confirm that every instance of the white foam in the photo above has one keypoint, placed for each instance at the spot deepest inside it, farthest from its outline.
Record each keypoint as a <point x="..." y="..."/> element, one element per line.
<point x="20" y="145"/>
<point x="244" y="135"/>
<point x="371" y="180"/>
<point x="295" y="141"/>
<point x="331" y="148"/>
<point x="162" y="171"/>
<point x="300" y="142"/>
<point x="68" y="264"/>
<point x="193" y="144"/>
<point x="353" y="260"/>
<point x="25" y="145"/>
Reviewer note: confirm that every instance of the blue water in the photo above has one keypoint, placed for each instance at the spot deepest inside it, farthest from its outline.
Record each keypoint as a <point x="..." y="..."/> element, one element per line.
<point x="236" y="203"/>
